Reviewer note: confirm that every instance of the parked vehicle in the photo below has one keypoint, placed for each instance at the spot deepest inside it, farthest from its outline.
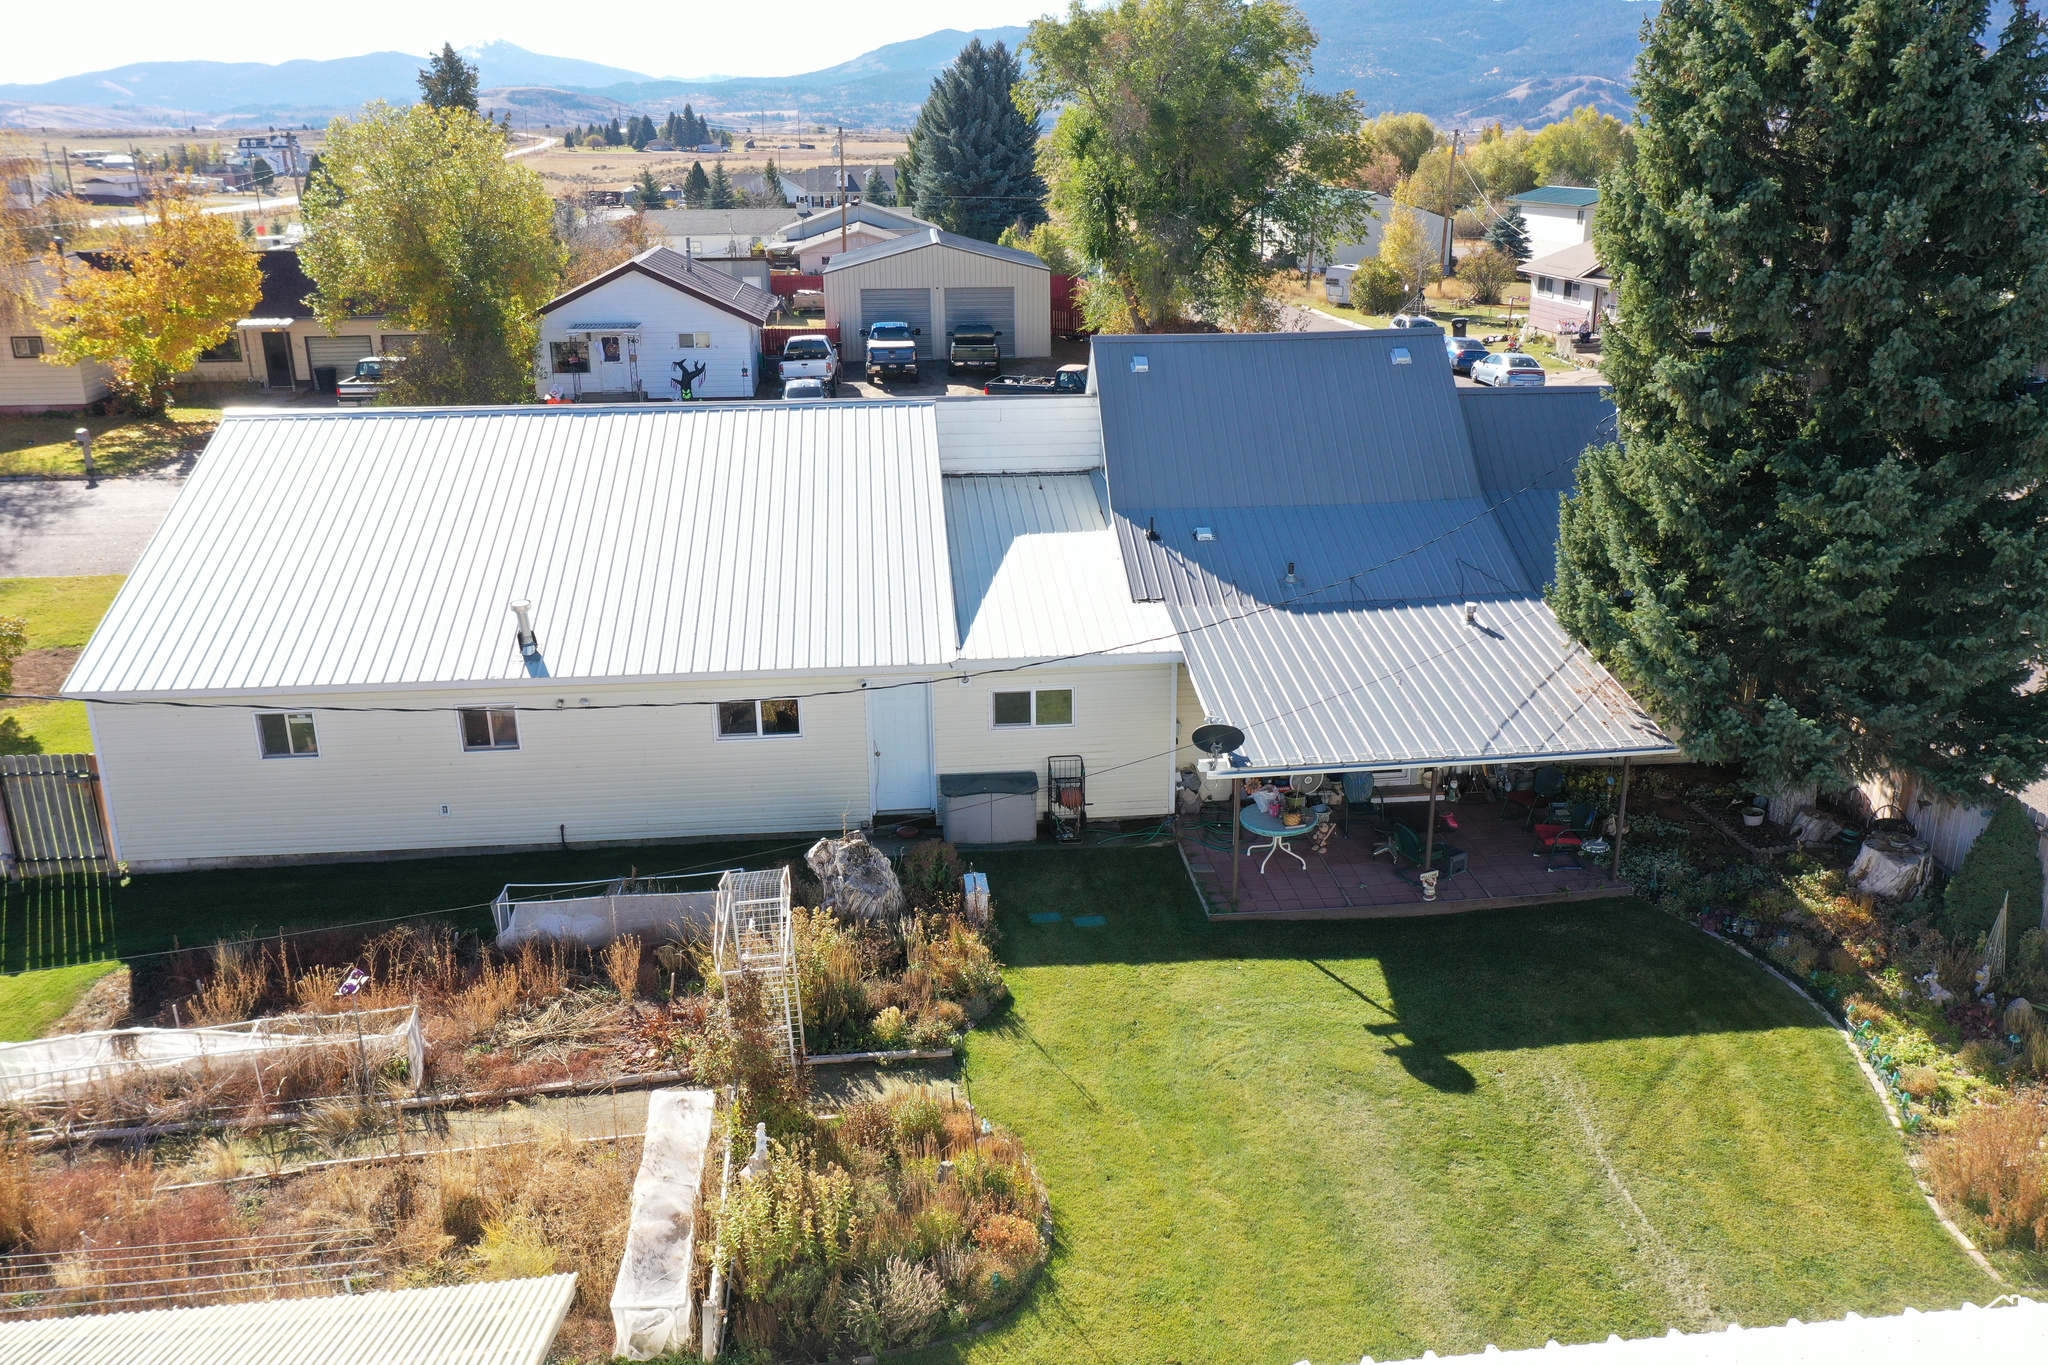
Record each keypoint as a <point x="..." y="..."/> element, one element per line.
<point x="804" y="390"/>
<point x="1463" y="352"/>
<point x="1337" y="284"/>
<point x="1414" y="320"/>
<point x="892" y="351"/>
<point x="1510" y="370"/>
<point x="811" y="356"/>
<point x="973" y="347"/>
<point x="373" y="375"/>
<point x="1070" y="379"/>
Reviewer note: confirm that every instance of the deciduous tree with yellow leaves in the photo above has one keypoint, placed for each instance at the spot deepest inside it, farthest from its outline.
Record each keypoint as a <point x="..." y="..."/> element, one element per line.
<point x="168" y="292"/>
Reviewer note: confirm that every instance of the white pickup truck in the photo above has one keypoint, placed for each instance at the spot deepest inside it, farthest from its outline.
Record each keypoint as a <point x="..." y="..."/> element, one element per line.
<point x="811" y="356"/>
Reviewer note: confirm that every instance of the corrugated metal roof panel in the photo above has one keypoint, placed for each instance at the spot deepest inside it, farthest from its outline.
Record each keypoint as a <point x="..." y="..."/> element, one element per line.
<point x="918" y="240"/>
<point x="1534" y="437"/>
<point x="382" y="547"/>
<point x="1571" y="196"/>
<point x="1399" y="685"/>
<point x="1298" y="419"/>
<point x="504" y="1322"/>
<point x="1036" y="572"/>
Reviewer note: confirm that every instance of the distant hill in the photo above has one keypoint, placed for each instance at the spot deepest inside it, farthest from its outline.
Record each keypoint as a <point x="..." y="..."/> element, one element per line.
<point x="1463" y="61"/>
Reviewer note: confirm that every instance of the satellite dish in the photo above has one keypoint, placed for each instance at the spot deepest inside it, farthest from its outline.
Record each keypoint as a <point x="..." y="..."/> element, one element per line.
<point x="1218" y="739"/>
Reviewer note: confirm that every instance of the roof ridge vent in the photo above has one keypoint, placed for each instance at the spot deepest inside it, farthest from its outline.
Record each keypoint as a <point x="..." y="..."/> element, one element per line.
<point x="529" y="644"/>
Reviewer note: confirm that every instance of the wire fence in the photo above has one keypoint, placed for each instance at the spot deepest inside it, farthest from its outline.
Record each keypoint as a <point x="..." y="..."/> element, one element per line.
<point x="94" y="1279"/>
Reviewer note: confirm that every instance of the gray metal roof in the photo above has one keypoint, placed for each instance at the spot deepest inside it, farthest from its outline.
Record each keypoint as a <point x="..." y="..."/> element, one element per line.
<point x="674" y="268"/>
<point x="1036" y="573"/>
<point x="1570" y="196"/>
<point x="827" y="220"/>
<point x="918" y="241"/>
<point x="381" y="548"/>
<point x="741" y="223"/>
<point x="1526" y="444"/>
<point x="502" y="1322"/>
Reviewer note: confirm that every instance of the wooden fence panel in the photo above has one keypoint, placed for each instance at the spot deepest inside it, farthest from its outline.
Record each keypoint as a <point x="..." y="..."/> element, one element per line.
<point x="50" y="805"/>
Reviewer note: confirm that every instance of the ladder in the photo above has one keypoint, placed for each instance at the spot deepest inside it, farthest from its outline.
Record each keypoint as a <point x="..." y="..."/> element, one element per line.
<point x="753" y="933"/>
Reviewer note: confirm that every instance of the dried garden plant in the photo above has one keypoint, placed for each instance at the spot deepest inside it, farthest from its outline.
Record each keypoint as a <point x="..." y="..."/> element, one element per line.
<point x="237" y="983"/>
<point x="1992" y="1164"/>
<point x="622" y="964"/>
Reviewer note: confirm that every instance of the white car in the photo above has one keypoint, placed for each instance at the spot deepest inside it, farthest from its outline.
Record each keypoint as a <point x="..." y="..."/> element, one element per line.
<point x="1508" y="368"/>
<point x="804" y="390"/>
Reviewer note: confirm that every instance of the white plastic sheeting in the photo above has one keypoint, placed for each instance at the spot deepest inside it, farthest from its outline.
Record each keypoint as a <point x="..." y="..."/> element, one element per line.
<point x="52" y="1067"/>
<point x="594" y="921"/>
<point x="651" y="1304"/>
<point x="506" y="1322"/>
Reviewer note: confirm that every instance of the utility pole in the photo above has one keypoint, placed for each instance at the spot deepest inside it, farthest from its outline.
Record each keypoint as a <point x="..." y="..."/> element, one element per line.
<point x="1450" y="181"/>
<point x="842" y="189"/>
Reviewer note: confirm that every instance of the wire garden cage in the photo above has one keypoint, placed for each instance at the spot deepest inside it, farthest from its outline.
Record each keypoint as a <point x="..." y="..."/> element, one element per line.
<point x="1067" y="795"/>
<point x="752" y="932"/>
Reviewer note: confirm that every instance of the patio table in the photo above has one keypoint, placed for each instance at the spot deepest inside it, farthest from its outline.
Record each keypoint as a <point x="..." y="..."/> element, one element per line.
<point x="1272" y="828"/>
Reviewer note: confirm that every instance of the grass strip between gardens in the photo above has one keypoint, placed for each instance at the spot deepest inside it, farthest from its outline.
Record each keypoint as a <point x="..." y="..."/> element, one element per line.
<point x="32" y="1001"/>
<point x="1327" y="1140"/>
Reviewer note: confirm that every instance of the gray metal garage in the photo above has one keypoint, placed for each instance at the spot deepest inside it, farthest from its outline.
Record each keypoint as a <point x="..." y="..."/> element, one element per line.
<point x="958" y="279"/>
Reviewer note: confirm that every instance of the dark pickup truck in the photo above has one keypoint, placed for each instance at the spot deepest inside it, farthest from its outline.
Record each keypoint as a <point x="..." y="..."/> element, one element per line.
<point x="1070" y="379"/>
<point x="973" y="348"/>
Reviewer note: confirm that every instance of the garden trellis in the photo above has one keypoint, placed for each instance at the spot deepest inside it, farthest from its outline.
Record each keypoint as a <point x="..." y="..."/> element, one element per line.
<point x="752" y="933"/>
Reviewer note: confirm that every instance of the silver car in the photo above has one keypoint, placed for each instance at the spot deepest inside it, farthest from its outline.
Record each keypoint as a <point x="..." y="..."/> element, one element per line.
<point x="1509" y="368"/>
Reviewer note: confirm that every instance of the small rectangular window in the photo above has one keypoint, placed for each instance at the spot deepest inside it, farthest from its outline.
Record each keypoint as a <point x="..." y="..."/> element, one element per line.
<point x="1546" y="285"/>
<point x="489" y="727"/>
<point x="287" y="734"/>
<point x="1052" y="706"/>
<point x="776" y="717"/>
<point x="694" y="341"/>
<point x="231" y="349"/>
<point x="570" y="357"/>
<point x="1571" y="289"/>
<point x="27" y="348"/>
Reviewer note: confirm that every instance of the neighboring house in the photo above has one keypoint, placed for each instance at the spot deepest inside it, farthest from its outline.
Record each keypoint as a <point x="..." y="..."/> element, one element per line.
<point x="1569" y="290"/>
<point x="628" y="330"/>
<point x="282" y="344"/>
<point x="1558" y="216"/>
<point x="818" y="187"/>
<point x="935" y="281"/>
<point x="1368" y="245"/>
<point x="774" y="618"/>
<point x="112" y="189"/>
<point x="827" y="221"/>
<point x="814" y="254"/>
<point x="716" y="232"/>
<point x="31" y="383"/>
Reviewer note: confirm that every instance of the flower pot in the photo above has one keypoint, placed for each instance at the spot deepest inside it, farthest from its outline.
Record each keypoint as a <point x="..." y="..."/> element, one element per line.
<point x="1292" y="817"/>
<point x="1752" y="817"/>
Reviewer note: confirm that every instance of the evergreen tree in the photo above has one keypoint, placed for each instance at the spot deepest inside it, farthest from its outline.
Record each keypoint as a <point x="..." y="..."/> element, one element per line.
<point x="721" y="195"/>
<point x="697" y="188"/>
<point x="672" y="129"/>
<point x="771" y="186"/>
<point x="614" y="135"/>
<point x="575" y="138"/>
<point x="879" y="193"/>
<point x="648" y="190"/>
<point x="1818" y="547"/>
<point x="641" y="135"/>
<point x="1510" y="234"/>
<point x="977" y="153"/>
<point x="450" y="82"/>
<point x="693" y="127"/>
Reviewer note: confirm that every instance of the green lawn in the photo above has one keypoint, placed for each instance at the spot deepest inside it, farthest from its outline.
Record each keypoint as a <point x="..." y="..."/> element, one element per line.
<point x="32" y="1001"/>
<point x="121" y="444"/>
<point x="1286" y="1141"/>
<point x="61" y="614"/>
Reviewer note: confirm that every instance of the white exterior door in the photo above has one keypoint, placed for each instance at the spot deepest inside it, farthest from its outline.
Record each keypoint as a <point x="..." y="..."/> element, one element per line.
<point x="608" y="363"/>
<point x="900" y="744"/>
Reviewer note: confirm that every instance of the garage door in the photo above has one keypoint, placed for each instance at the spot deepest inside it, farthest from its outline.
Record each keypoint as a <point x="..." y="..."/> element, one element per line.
<point x="340" y="352"/>
<point x="996" y="307"/>
<point x="913" y="306"/>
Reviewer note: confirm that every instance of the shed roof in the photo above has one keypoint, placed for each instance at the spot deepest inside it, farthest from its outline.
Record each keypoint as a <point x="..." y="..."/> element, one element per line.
<point x="1036" y="572"/>
<point x="381" y="548"/>
<point x="931" y="236"/>
<point x="679" y="272"/>
<point x="804" y="228"/>
<point x="503" y="1322"/>
<point x="1578" y="261"/>
<point x="1568" y="196"/>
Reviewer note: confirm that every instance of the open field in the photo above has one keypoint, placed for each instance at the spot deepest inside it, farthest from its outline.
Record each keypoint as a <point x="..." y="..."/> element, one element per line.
<point x="570" y="169"/>
<point x="1273" y="1142"/>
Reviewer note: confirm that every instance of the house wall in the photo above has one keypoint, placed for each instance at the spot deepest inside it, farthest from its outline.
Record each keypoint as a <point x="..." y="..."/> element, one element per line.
<point x="1553" y="312"/>
<point x="1123" y="729"/>
<point x="938" y="268"/>
<point x="252" y="367"/>
<point x="1368" y="246"/>
<point x="39" y="386"/>
<point x="732" y="363"/>
<point x="190" y="787"/>
<point x="1553" y="227"/>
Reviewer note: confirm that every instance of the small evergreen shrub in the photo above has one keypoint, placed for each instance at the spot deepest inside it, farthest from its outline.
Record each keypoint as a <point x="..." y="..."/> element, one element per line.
<point x="2005" y="860"/>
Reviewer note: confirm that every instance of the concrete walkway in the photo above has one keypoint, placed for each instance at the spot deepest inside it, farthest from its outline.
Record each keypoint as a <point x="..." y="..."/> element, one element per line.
<point x="61" y="527"/>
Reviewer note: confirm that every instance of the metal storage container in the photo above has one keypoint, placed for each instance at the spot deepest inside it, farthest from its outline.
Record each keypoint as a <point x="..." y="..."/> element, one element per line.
<point x="989" y="808"/>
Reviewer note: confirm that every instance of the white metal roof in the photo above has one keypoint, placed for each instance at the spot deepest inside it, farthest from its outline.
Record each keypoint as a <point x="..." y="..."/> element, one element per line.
<point x="2011" y="1332"/>
<point x="505" y="1322"/>
<point x="1037" y="573"/>
<point x="382" y="547"/>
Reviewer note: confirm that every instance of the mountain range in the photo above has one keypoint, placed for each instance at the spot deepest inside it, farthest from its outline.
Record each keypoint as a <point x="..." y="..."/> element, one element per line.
<point x="1527" y="61"/>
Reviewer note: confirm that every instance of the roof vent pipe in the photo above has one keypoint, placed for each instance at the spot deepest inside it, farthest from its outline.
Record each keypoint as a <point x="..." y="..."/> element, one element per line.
<point x="1290" y="572"/>
<point x="1471" y="613"/>
<point x="1151" y="528"/>
<point x="529" y="644"/>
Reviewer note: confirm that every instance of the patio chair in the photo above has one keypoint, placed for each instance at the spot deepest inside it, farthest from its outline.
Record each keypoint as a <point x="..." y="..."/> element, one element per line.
<point x="1449" y="858"/>
<point x="1358" y="792"/>
<point x="1523" y="805"/>
<point x="1564" y="840"/>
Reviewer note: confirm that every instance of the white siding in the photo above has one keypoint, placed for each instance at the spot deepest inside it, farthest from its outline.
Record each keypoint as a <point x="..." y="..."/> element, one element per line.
<point x="733" y="362"/>
<point x="1018" y="435"/>
<point x="1368" y="245"/>
<point x="1553" y="227"/>
<point x="1123" y="730"/>
<point x="937" y="268"/>
<point x="32" y="385"/>
<point x="189" y="785"/>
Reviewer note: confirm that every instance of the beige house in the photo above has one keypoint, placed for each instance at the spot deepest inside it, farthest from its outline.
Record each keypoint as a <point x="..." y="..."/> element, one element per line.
<point x="935" y="281"/>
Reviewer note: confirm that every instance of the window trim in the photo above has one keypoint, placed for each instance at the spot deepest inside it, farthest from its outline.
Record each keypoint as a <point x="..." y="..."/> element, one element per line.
<point x="491" y="712"/>
<point x="689" y="341"/>
<point x="718" y="719"/>
<point x="1034" y="723"/>
<point x="263" y="746"/>
<point x="572" y="346"/>
<point x="27" y="347"/>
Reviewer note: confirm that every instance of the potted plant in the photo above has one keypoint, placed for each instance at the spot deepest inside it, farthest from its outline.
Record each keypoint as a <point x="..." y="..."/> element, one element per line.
<point x="1296" y="804"/>
<point x="1752" y="816"/>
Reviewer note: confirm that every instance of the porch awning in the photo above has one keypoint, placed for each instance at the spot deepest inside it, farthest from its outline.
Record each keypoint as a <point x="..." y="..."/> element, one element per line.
<point x="604" y="326"/>
<point x="1402" y="684"/>
<point x="265" y="322"/>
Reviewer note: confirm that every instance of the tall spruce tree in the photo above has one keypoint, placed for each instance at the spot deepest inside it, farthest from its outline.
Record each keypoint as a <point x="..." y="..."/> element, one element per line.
<point x="449" y="82"/>
<point x="772" y="190"/>
<point x="879" y="192"/>
<point x="1509" y="234"/>
<point x="1818" y="546"/>
<point x="696" y="187"/>
<point x="721" y="192"/>
<point x="977" y="152"/>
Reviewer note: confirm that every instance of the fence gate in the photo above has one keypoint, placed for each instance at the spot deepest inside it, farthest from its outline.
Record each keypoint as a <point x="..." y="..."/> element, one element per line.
<point x="51" y="819"/>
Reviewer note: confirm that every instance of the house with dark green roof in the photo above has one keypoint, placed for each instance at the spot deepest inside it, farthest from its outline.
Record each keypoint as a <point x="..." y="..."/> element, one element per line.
<point x="1558" y="216"/>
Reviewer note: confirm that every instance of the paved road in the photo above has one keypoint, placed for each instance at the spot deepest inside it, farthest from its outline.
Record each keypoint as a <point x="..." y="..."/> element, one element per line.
<point x="58" y="528"/>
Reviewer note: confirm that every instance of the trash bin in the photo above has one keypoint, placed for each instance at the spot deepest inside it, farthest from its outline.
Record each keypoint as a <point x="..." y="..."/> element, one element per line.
<point x="324" y="377"/>
<point x="989" y="808"/>
<point x="1457" y="327"/>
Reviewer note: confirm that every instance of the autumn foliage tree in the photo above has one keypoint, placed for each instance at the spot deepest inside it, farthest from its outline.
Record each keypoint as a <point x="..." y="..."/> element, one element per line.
<point x="171" y="290"/>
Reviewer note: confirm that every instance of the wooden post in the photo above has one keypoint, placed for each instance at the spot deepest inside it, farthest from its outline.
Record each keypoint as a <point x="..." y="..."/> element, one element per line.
<point x="1429" y="827"/>
<point x="1620" y="817"/>
<point x="1236" y="807"/>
